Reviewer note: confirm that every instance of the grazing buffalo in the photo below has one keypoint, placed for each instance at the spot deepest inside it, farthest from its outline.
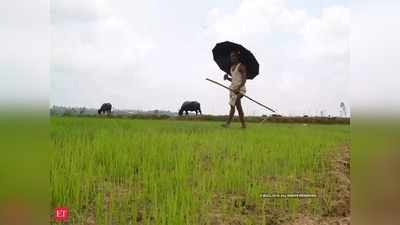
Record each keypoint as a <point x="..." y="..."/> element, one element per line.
<point x="190" y="106"/>
<point x="105" y="108"/>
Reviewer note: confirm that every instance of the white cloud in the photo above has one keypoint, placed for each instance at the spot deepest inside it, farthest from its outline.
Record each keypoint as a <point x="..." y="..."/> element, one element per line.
<point x="328" y="34"/>
<point x="303" y="58"/>
<point x="141" y="55"/>
<point x="100" y="55"/>
<point x="107" y="44"/>
<point x="78" y="11"/>
<point x="251" y="17"/>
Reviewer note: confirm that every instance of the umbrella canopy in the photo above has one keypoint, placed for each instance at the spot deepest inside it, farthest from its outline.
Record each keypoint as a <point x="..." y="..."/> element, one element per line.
<point x="221" y="53"/>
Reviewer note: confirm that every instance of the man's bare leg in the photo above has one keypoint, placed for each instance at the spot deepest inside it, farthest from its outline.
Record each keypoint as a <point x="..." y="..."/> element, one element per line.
<point x="231" y="114"/>
<point x="240" y="111"/>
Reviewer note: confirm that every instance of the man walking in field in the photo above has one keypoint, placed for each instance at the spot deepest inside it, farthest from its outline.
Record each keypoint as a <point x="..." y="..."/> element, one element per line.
<point x="238" y="80"/>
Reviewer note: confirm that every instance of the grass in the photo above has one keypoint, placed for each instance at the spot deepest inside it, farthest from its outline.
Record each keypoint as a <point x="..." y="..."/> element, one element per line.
<point x="122" y="171"/>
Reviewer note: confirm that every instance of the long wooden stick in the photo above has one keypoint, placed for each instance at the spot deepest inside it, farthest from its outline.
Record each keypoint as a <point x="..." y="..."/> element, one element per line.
<point x="215" y="82"/>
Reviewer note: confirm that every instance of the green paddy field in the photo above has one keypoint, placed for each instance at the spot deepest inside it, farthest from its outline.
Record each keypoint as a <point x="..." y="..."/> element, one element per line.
<point x="132" y="171"/>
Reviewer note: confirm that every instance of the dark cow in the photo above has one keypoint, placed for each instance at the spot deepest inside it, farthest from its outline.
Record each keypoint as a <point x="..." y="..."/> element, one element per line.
<point x="105" y="108"/>
<point x="190" y="106"/>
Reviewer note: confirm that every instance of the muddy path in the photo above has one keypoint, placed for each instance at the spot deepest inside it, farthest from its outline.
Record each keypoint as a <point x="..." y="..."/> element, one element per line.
<point x="335" y="208"/>
<point x="338" y="211"/>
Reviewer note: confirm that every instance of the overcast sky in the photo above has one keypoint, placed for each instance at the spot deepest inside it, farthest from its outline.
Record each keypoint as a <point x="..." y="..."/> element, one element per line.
<point x="24" y="52"/>
<point x="156" y="54"/>
<point x="375" y="54"/>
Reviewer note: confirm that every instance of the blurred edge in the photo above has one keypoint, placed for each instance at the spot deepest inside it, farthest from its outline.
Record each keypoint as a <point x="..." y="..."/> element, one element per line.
<point x="374" y="88"/>
<point x="24" y="178"/>
<point x="375" y="163"/>
<point x="24" y="89"/>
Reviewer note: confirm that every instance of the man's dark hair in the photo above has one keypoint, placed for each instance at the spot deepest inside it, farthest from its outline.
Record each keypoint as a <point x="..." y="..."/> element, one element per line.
<point x="237" y="52"/>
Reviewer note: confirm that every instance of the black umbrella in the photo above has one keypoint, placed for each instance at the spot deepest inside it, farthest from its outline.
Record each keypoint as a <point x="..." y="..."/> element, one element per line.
<point x="221" y="53"/>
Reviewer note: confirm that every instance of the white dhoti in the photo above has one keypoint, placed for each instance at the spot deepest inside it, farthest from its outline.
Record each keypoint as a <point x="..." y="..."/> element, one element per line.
<point x="233" y="97"/>
<point x="236" y="82"/>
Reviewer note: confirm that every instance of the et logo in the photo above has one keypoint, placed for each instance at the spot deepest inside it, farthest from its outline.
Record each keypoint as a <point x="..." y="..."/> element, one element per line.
<point x="61" y="214"/>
